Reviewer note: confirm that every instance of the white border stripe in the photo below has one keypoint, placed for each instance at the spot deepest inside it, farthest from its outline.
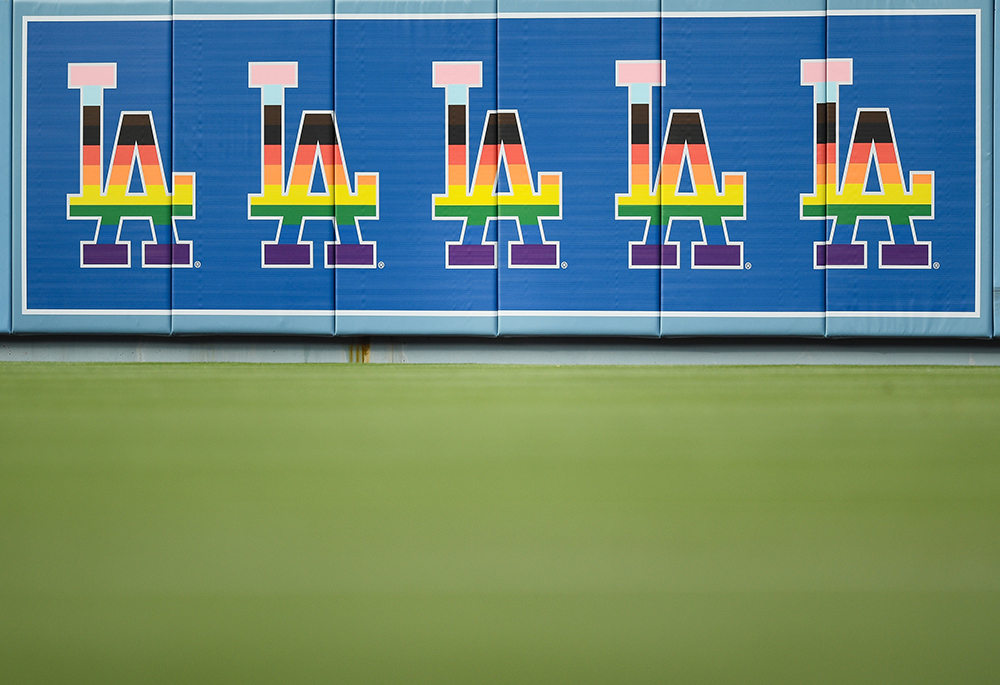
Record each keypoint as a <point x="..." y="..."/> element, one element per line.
<point x="489" y="313"/>
<point x="493" y="17"/>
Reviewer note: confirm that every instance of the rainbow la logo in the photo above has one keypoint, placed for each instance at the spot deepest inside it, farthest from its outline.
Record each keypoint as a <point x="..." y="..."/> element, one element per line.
<point x="136" y="146"/>
<point x="317" y="151"/>
<point x="873" y="149"/>
<point x="502" y="142"/>
<point x="659" y="203"/>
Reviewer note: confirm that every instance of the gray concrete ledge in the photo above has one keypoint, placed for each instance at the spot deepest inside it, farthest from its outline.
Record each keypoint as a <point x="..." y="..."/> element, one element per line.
<point x="500" y="350"/>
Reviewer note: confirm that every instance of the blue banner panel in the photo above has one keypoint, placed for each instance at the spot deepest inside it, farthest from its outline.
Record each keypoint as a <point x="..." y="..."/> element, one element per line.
<point x="571" y="90"/>
<point x="731" y="245"/>
<point x="372" y="168"/>
<point x="253" y="112"/>
<point x="900" y="190"/>
<point x="99" y="218"/>
<point x="416" y="248"/>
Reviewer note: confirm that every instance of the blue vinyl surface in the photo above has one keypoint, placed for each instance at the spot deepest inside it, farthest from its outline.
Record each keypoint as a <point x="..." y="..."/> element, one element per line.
<point x="392" y="122"/>
<point x="52" y="291"/>
<point x="407" y="265"/>
<point x="221" y="117"/>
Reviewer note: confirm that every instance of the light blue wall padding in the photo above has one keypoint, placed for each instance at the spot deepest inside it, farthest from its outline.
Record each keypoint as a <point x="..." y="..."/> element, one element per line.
<point x="143" y="323"/>
<point x="351" y="323"/>
<point x="6" y="9"/>
<point x="885" y="327"/>
<point x="416" y="7"/>
<point x="430" y="7"/>
<point x="182" y="8"/>
<point x="56" y="294"/>
<point x="234" y="323"/>
<point x="742" y="325"/>
<point x="642" y="324"/>
<point x="662" y="6"/>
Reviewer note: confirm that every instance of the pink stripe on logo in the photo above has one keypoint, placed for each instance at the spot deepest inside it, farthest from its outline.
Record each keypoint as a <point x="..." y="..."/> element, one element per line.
<point x="81" y="75"/>
<point x="826" y="71"/>
<point x="839" y="71"/>
<point x="458" y="74"/>
<point x="282" y="74"/>
<point x="650" y="71"/>
<point x="814" y="71"/>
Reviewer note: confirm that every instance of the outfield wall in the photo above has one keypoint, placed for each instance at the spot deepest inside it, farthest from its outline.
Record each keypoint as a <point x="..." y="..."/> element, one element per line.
<point x="498" y="168"/>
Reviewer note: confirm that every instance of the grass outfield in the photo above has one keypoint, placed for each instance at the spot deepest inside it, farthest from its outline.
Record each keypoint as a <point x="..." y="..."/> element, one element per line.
<point x="319" y="524"/>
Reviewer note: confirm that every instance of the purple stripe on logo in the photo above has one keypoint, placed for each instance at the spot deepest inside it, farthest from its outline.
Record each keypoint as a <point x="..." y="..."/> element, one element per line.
<point x="286" y="255"/>
<point x="646" y="255"/>
<point x="156" y="255"/>
<point x="181" y="253"/>
<point x="840" y="255"/>
<point x="718" y="255"/>
<point x="470" y="255"/>
<point x="363" y="255"/>
<point x="654" y="255"/>
<point x="105" y="255"/>
<point x="906" y="255"/>
<point x="668" y="255"/>
<point x="533" y="255"/>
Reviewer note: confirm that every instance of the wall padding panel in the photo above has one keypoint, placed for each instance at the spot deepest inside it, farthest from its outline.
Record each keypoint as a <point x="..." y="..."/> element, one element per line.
<point x="909" y="174"/>
<point x="470" y="167"/>
<point x="254" y="115"/>
<point x="412" y="103"/>
<point x="95" y="196"/>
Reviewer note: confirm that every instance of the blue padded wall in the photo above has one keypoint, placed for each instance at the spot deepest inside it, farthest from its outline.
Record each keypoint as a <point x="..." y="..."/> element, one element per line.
<point x="397" y="79"/>
<point x="927" y="269"/>
<point x="735" y="262"/>
<point x="567" y="271"/>
<point x="92" y="106"/>
<point x="260" y="259"/>
<point x="500" y="167"/>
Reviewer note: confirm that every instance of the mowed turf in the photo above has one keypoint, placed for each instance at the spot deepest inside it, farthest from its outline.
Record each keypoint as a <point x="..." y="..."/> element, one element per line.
<point x="399" y="524"/>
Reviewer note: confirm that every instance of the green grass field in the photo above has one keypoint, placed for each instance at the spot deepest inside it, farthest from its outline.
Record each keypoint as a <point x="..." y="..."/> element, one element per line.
<point x="396" y="524"/>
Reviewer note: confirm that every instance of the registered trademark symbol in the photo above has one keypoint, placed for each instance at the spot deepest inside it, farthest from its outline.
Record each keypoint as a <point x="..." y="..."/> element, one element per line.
<point x="748" y="266"/>
<point x="937" y="265"/>
<point x="564" y="265"/>
<point x="197" y="265"/>
<point x="381" y="265"/>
